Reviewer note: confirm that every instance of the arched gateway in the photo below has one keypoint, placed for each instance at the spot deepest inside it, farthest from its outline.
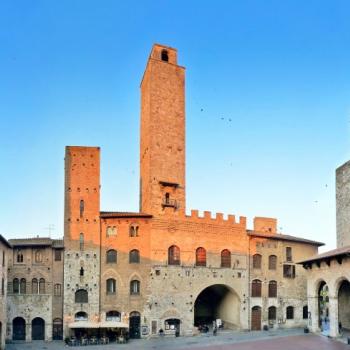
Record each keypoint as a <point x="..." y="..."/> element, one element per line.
<point x="217" y="302"/>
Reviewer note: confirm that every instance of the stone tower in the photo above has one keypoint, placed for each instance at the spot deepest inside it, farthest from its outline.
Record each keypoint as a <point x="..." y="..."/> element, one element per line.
<point x="162" y="145"/>
<point x="343" y="204"/>
<point x="81" y="234"/>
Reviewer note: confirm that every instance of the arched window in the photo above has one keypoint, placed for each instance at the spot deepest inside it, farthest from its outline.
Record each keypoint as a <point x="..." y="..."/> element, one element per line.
<point x="174" y="255"/>
<point x="111" y="256"/>
<point x="23" y="286"/>
<point x="81" y="316"/>
<point x="15" y="286"/>
<point x="57" y="290"/>
<point x="19" y="256"/>
<point x="111" y="286"/>
<point x="272" y="313"/>
<point x="134" y="230"/>
<point x="165" y="56"/>
<point x="41" y="286"/>
<point x="256" y="288"/>
<point x="81" y="241"/>
<point x="35" y="286"/>
<point x="134" y="256"/>
<point x="256" y="261"/>
<point x="113" y="316"/>
<point x="135" y="287"/>
<point x="272" y="289"/>
<point x="305" y="312"/>
<point x="225" y="258"/>
<point x="81" y="208"/>
<point x="272" y="262"/>
<point x="81" y="296"/>
<point x="290" y="313"/>
<point x="201" y="257"/>
<point x="81" y="272"/>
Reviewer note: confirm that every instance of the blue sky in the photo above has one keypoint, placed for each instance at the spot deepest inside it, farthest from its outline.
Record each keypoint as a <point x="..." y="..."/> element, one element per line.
<point x="277" y="72"/>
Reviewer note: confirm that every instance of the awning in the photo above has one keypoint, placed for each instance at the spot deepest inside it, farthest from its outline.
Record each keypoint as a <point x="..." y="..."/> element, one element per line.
<point x="113" y="324"/>
<point x="84" y="324"/>
<point x="105" y="324"/>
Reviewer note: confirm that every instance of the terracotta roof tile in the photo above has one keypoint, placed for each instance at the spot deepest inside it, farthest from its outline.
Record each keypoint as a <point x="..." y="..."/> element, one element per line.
<point x="282" y="237"/>
<point x="123" y="214"/>
<point x="330" y="254"/>
<point x="36" y="241"/>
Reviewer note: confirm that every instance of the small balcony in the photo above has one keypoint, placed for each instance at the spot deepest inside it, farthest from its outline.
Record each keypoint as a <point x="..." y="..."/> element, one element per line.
<point x="167" y="202"/>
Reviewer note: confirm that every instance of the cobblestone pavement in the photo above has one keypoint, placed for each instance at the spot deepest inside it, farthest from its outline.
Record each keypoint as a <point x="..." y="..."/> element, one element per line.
<point x="272" y="340"/>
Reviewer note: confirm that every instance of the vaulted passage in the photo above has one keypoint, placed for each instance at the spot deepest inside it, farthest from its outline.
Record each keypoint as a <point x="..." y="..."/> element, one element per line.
<point x="217" y="302"/>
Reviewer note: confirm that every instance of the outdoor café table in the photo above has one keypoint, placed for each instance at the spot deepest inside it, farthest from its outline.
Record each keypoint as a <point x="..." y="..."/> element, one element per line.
<point x="104" y="340"/>
<point x="121" y="340"/>
<point x="93" y="341"/>
<point x="84" y="341"/>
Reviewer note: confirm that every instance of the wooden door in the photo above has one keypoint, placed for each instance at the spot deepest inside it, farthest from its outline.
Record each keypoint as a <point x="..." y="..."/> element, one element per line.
<point x="256" y="318"/>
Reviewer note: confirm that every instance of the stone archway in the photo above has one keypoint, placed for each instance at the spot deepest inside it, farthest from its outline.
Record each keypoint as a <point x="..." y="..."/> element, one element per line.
<point x="19" y="329"/>
<point x="323" y="307"/>
<point x="217" y="301"/>
<point x="344" y="305"/>
<point x="38" y="329"/>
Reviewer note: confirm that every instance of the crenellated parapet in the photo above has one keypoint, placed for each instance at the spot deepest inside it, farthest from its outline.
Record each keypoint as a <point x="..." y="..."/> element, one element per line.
<point x="217" y="218"/>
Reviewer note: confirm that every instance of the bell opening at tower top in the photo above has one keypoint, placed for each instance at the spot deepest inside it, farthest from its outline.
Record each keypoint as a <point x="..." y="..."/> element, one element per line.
<point x="165" y="56"/>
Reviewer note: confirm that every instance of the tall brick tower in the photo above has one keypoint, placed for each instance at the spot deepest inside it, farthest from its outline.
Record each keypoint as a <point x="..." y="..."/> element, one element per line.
<point x="81" y="235"/>
<point x="162" y="148"/>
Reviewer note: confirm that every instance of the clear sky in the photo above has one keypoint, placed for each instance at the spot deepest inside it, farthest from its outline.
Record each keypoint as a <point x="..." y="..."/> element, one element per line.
<point x="267" y="104"/>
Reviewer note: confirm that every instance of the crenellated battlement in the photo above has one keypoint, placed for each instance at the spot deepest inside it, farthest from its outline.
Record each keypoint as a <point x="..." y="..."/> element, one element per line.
<point x="217" y="218"/>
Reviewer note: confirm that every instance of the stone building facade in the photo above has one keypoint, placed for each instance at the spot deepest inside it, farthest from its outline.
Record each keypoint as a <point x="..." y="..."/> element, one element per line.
<point x="35" y="289"/>
<point x="5" y="249"/>
<point x="328" y="274"/>
<point x="162" y="269"/>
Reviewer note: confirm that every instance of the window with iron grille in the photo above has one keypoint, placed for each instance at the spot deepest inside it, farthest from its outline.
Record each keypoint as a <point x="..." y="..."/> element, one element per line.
<point x="272" y="313"/>
<point x="81" y="296"/>
<point x="134" y="256"/>
<point x="272" y="289"/>
<point x="256" y="288"/>
<point x="256" y="261"/>
<point x="174" y="255"/>
<point x="272" y="262"/>
<point x="201" y="257"/>
<point x="111" y="256"/>
<point x="58" y="255"/>
<point x="290" y="313"/>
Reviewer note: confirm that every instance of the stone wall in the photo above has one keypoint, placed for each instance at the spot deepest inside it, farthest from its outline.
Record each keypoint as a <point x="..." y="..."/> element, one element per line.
<point x="343" y="204"/>
<point x="4" y="256"/>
